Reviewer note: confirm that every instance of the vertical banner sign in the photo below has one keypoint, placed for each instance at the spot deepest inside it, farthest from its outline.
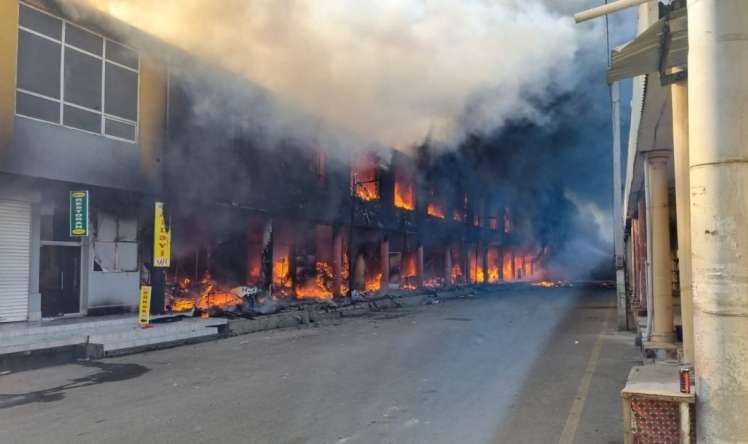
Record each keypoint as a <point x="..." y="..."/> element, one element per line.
<point x="78" y="213"/>
<point x="161" y="238"/>
<point x="144" y="308"/>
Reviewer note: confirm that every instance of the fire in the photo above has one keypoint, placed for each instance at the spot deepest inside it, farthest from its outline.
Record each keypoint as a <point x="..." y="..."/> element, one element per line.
<point x="282" y="272"/>
<point x="364" y="180"/>
<point x="507" y="271"/>
<point x="320" y="286"/>
<point x="434" y="282"/>
<point x="480" y="275"/>
<point x="492" y="257"/>
<point x="405" y="196"/>
<point x="344" y="274"/>
<point x="456" y="273"/>
<point x="374" y="282"/>
<point x="209" y="297"/>
<point x="548" y="284"/>
<point x="408" y="272"/>
<point x="435" y="210"/>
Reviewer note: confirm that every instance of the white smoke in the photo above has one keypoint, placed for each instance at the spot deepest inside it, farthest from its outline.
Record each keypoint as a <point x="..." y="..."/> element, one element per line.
<point x="391" y="71"/>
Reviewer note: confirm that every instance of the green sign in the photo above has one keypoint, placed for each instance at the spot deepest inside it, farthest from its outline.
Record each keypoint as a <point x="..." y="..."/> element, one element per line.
<point x="78" y="213"/>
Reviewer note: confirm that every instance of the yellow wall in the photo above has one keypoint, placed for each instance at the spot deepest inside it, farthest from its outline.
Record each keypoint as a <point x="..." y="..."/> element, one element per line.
<point x="8" y="48"/>
<point x="152" y="116"/>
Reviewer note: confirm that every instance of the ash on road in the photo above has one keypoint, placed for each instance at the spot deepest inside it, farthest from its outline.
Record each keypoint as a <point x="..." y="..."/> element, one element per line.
<point x="504" y="367"/>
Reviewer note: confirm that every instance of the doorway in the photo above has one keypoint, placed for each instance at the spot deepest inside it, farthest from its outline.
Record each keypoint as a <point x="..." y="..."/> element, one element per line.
<point x="59" y="280"/>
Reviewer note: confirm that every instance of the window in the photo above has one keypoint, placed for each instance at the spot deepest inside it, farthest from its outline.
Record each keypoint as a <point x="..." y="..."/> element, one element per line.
<point x="365" y="178"/>
<point x="493" y="219"/>
<point x="73" y="77"/>
<point x="115" y="243"/>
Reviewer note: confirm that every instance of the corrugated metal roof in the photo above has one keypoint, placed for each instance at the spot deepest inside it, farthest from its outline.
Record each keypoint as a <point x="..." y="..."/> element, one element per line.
<point x="644" y="54"/>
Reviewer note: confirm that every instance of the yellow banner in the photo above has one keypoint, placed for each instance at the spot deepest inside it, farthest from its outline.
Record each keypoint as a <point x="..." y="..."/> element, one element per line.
<point x="144" y="309"/>
<point x="161" y="238"/>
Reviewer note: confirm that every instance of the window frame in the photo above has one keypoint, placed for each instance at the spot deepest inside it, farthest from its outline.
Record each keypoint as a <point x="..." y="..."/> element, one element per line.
<point x="102" y="114"/>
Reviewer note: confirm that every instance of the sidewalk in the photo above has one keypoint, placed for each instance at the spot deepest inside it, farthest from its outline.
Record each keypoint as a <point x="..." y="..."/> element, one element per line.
<point x="66" y="339"/>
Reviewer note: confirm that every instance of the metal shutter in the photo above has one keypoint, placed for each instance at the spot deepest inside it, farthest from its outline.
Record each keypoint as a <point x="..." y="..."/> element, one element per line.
<point x="15" y="260"/>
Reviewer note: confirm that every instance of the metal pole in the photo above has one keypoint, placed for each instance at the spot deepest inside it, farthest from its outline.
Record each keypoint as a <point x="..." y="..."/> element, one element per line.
<point x="679" y="92"/>
<point x="606" y="9"/>
<point x="617" y="208"/>
<point x="718" y="158"/>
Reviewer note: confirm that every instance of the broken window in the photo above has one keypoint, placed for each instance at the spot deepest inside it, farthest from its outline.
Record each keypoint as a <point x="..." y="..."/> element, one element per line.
<point x="115" y="243"/>
<point x="365" y="178"/>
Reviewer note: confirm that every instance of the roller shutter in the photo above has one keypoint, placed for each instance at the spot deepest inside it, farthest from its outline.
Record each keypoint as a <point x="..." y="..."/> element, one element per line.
<point x="15" y="259"/>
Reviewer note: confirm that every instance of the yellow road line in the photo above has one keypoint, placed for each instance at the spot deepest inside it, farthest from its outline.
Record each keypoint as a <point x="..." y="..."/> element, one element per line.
<point x="575" y="413"/>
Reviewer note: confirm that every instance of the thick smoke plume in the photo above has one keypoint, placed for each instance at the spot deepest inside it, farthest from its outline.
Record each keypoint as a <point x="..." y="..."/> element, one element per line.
<point x="391" y="71"/>
<point x="510" y="89"/>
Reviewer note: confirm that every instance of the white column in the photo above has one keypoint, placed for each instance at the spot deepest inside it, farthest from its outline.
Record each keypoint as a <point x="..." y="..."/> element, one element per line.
<point x="718" y="156"/>
<point x="658" y="212"/>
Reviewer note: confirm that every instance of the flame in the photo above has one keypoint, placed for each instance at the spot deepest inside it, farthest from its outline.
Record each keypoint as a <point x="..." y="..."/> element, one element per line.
<point x="434" y="282"/>
<point x="210" y="297"/>
<point x="435" y="210"/>
<point x="456" y="273"/>
<point x="320" y="286"/>
<point x="492" y="258"/>
<point x="480" y="275"/>
<point x="364" y="182"/>
<point x="548" y="284"/>
<point x="507" y="269"/>
<point x="374" y="283"/>
<point x="408" y="272"/>
<point x="282" y="272"/>
<point x="404" y="196"/>
<point x="344" y="273"/>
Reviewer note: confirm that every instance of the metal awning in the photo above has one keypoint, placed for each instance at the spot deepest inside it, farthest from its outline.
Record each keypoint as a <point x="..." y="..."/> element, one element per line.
<point x="661" y="47"/>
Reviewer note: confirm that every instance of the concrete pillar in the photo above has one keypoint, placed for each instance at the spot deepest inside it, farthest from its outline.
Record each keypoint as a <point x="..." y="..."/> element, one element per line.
<point x="266" y="258"/>
<point x="337" y="261"/>
<point x="658" y="210"/>
<point x="385" y="261"/>
<point x="679" y="92"/>
<point x="419" y="267"/>
<point x="514" y="271"/>
<point x="501" y="263"/>
<point x="718" y="158"/>
<point x="359" y="273"/>
<point x="448" y="267"/>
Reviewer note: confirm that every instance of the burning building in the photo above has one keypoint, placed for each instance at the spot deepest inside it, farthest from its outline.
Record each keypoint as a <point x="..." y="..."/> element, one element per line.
<point x="253" y="216"/>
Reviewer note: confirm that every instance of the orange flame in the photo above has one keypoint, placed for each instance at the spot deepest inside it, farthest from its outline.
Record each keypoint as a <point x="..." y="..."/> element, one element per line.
<point x="456" y="273"/>
<point x="364" y="182"/>
<point x="210" y="297"/>
<point x="319" y="287"/>
<point x="374" y="283"/>
<point x="405" y="196"/>
<point x="435" y="210"/>
<point x="408" y="271"/>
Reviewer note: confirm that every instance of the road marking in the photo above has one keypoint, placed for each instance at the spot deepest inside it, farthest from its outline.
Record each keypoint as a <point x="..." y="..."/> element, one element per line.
<point x="575" y="413"/>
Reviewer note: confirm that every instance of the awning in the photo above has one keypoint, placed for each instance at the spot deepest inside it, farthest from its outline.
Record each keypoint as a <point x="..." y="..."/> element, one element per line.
<point x="664" y="45"/>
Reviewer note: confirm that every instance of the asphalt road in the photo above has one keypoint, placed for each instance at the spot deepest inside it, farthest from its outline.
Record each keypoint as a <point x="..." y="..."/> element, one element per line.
<point x="520" y="366"/>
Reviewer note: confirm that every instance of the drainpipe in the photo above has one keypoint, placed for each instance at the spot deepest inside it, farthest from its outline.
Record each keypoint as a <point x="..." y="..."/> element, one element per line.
<point x="679" y="92"/>
<point x="658" y="212"/>
<point x="718" y="157"/>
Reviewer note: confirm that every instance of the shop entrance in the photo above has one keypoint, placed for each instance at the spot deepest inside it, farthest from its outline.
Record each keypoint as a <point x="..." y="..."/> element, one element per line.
<point x="59" y="280"/>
